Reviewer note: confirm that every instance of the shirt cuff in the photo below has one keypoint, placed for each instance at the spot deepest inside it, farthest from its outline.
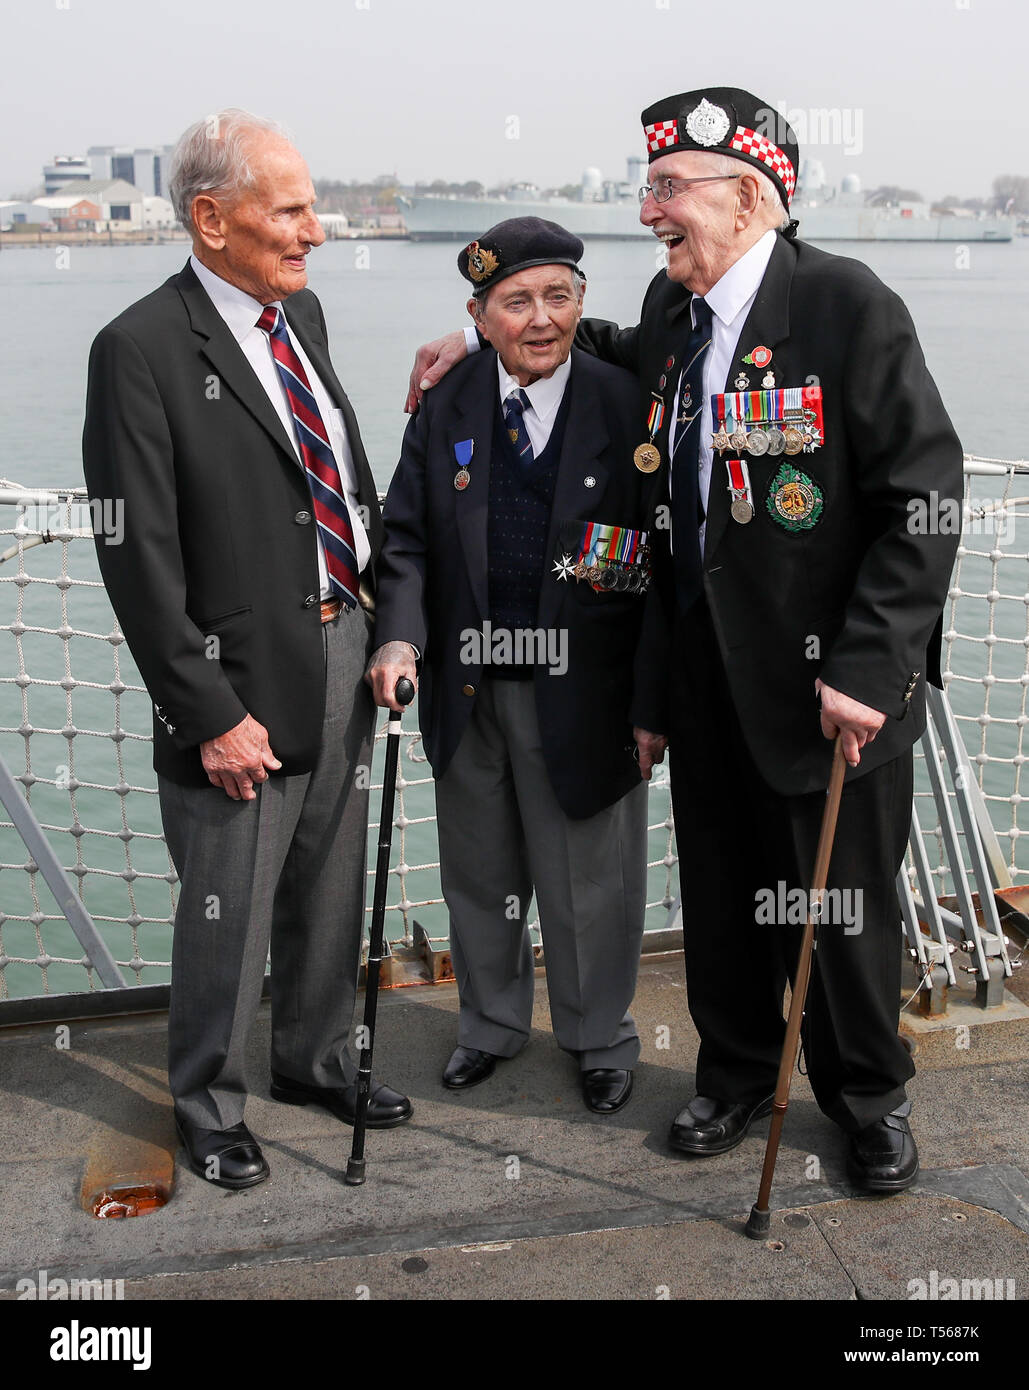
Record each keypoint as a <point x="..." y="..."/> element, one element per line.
<point x="471" y="340"/>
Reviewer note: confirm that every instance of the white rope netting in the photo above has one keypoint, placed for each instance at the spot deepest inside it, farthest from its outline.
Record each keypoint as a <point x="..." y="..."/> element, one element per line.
<point x="75" y="731"/>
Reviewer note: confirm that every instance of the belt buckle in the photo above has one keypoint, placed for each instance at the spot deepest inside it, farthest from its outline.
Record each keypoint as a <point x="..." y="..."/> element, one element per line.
<point x="330" y="609"/>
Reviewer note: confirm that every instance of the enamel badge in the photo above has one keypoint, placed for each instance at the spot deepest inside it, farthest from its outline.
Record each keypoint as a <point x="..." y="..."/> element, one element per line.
<point x="794" y="500"/>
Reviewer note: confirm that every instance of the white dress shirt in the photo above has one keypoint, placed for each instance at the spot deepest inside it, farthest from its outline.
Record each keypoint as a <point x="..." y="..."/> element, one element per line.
<point x="545" y="396"/>
<point x="241" y="313"/>
<point x="730" y="300"/>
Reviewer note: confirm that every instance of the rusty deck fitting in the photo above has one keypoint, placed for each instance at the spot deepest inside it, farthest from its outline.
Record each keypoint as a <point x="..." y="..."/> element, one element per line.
<point x="130" y="1174"/>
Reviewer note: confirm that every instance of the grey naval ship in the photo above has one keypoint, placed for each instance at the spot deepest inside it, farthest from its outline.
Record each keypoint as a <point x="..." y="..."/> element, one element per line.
<point x="609" y="209"/>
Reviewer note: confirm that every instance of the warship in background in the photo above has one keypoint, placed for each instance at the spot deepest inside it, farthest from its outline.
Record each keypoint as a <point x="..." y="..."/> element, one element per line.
<point x="609" y="210"/>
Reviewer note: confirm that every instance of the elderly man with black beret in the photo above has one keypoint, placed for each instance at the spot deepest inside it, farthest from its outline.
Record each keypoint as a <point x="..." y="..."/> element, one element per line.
<point x="514" y="566"/>
<point x="797" y="428"/>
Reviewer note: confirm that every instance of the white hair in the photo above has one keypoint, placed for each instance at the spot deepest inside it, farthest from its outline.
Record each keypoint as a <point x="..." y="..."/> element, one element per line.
<point x="212" y="156"/>
<point x="771" y="198"/>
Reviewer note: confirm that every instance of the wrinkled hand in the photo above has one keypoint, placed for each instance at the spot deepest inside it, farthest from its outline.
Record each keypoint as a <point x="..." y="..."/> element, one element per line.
<point x="859" y="723"/>
<point x="237" y="759"/>
<point x="431" y="364"/>
<point x="651" y="750"/>
<point x="392" y="661"/>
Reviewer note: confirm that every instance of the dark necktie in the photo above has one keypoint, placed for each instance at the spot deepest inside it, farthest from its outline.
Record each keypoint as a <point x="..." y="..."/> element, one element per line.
<point x="514" y="406"/>
<point x="687" y="510"/>
<point x="330" y="506"/>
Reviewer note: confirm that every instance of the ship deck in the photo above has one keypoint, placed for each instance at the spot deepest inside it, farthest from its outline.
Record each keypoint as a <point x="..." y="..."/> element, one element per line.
<point x="513" y="1191"/>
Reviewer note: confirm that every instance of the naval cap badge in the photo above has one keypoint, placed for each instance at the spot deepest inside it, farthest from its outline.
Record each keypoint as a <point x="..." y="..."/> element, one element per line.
<point x="481" y="263"/>
<point x="707" y="124"/>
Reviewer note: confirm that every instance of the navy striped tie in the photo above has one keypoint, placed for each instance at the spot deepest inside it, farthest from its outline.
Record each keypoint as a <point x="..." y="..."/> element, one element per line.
<point x="514" y="405"/>
<point x="330" y="506"/>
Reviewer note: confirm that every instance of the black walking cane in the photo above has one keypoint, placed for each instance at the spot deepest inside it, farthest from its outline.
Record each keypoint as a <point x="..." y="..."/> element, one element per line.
<point x="757" y="1225"/>
<point x="403" y="694"/>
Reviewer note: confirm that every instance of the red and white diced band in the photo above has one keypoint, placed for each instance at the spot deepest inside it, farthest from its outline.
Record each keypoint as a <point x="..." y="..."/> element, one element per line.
<point x="750" y="142"/>
<point x="661" y="135"/>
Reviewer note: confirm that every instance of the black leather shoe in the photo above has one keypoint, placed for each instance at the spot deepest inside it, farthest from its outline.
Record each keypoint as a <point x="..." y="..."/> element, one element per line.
<point x="606" y="1089"/>
<point x="883" y="1157"/>
<point x="386" y="1108"/>
<point x="467" y="1067"/>
<point x="226" y="1157"/>
<point x="709" y="1126"/>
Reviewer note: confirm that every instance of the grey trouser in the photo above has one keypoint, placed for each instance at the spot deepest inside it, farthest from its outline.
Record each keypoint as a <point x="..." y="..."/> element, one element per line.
<point x="287" y="869"/>
<point x="501" y="834"/>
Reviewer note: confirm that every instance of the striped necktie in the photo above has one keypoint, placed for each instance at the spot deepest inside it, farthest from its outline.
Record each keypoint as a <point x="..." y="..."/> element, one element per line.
<point x="330" y="507"/>
<point x="687" y="508"/>
<point x="514" y="407"/>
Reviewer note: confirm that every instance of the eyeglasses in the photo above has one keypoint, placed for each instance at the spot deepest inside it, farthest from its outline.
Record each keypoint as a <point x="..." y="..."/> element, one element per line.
<point x="662" y="188"/>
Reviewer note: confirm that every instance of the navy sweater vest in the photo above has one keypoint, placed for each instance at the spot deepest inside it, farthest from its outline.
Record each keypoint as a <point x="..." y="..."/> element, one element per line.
<point x="519" y="519"/>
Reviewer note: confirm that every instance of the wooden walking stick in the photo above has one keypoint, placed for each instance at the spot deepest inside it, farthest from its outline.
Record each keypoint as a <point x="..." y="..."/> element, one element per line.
<point x="758" y="1222"/>
<point x="403" y="694"/>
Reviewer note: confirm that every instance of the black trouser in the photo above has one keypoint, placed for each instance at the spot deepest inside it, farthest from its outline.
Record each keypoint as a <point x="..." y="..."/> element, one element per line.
<point x="742" y="849"/>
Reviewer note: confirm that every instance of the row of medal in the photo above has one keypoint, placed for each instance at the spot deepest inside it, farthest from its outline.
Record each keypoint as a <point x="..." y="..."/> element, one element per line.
<point x="787" y="421"/>
<point x="612" y="559"/>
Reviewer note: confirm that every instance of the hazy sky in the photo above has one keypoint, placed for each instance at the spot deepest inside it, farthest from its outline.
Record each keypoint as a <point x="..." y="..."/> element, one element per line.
<point x="927" y="93"/>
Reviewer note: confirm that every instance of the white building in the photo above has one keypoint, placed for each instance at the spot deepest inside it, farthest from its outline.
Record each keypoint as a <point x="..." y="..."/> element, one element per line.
<point x="146" y="169"/>
<point x="19" y="214"/>
<point x="158" y="215"/>
<point x="121" y="205"/>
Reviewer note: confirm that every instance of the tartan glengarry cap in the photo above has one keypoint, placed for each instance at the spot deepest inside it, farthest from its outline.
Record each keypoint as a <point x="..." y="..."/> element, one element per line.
<point x="726" y="120"/>
<point x="517" y="244"/>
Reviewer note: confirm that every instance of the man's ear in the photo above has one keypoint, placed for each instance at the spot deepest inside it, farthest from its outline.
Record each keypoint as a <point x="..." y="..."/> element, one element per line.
<point x="208" y="222"/>
<point x="748" y="191"/>
<point x="475" y="307"/>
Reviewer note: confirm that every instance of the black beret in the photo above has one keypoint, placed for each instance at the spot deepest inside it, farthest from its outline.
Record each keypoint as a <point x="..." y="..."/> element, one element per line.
<point x="514" y="245"/>
<point x="726" y="120"/>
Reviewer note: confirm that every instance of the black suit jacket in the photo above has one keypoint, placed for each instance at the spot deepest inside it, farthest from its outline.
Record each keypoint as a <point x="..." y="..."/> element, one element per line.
<point x="857" y="598"/>
<point x="215" y="583"/>
<point x="433" y="573"/>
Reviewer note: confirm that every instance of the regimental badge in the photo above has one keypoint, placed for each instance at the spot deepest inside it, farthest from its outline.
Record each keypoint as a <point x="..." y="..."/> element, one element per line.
<point x="513" y="436"/>
<point x="794" y="500"/>
<point x="768" y="381"/>
<point x="742" y="382"/>
<point x="481" y="263"/>
<point x="707" y="124"/>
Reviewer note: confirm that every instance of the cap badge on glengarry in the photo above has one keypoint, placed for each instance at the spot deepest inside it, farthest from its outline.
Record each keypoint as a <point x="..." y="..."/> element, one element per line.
<point x="707" y="124"/>
<point x="481" y="263"/>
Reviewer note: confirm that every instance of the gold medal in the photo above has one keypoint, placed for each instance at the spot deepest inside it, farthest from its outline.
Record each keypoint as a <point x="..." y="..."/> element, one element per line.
<point x="646" y="457"/>
<point x="794" y="440"/>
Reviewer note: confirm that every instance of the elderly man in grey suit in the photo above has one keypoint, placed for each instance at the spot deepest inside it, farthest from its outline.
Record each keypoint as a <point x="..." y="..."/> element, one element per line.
<point x="251" y="525"/>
